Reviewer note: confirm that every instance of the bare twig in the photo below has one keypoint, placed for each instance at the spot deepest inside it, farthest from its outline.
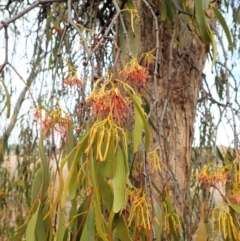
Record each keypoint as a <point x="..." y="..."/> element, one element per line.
<point x="4" y="23"/>
<point x="155" y="74"/>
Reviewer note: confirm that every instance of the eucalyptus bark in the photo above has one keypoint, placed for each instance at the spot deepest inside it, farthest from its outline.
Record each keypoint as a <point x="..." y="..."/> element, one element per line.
<point x="181" y="60"/>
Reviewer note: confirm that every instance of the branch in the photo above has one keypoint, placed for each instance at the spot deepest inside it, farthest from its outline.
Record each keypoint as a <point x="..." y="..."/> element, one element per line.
<point x="4" y="23"/>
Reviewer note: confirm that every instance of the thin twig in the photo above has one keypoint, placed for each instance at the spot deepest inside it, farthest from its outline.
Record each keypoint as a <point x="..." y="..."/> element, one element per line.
<point x="5" y="23"/>
<point x="155" y="74"/>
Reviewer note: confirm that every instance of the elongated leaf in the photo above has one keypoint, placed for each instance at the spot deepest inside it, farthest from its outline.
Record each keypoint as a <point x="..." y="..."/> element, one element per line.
<point x="214" y="50"/>
<point x="201" y="19"/>
<point x="141" y="113"/>
<point x="20" y="232"/>
<point x="8" y="103"/>
<point x="201" y="233"/>
<point x="31" y="228"/>
<point x="90" y="226"/>
<point x="121" y="228"/>
<point x="98" y="217"/>
<point x="138" y="126"/>
<point x="223" y="23"/>
<point x="235" y="207"/>
<point x="134" y="33"/>
<point x="82" y="215"/>
<point x="42" y="226"/>
<point x="157" y="224"/>
<point x="100" y="227"/>
<point x="36" y="186"/>
<point x="45" y="168"/>
<point x="79" y="149"/>
<point x="61" y="231"/>
<point x="106" y="191"/>
<point x="163" y="11"/>
<point x="119" y="182"/>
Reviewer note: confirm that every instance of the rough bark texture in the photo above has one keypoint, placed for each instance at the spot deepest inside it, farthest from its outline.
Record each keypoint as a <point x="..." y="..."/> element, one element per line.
<point x="182" y="58"/>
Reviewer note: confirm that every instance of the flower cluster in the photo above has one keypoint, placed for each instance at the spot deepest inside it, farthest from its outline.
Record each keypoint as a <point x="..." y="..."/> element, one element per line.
<point x="208" y="177"/>
<point x="234" y="194"/>
<point x="51" y="121"/>
<point x="73" y="81"/>
<point x="110" y="103"/>
<point x="57" y="29"/>
<point x="148" y="59"/>
<point x="135" y="73"/>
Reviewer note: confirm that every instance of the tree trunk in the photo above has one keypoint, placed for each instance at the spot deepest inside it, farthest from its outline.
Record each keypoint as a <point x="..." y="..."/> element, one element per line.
<point x="173" y="106"/>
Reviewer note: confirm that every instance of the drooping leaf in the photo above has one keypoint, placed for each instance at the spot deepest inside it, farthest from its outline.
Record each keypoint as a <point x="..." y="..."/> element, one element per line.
<point x="121" y="228"/>
<point x="138" y="126"/>
<point x="61" y="231"/>
<point x="45" y="168"/>
<point x="157" y="223"/>
<point x="90" y="225"/>
<point x="82" y="215"/>
<point x="235" y="207"/>
<point x="119" y="182"/>
<point x="105" y="187"/>
<point x="37" y="185"/>
<point x="7" y="96"/>
<point x="100" y="225"/>
<point x="202" y="22"/>
<point x="142" y="114"/>
<point x="223" y="23"/>
<point x="163" y="11"/>
<point x="79" y="149"/>
<point x="133" y="30"/>
<point x="100" y="228"/>
<point x="42" y="226"/>
<point x="31" y="227"/>
<point x="201" y="233"/>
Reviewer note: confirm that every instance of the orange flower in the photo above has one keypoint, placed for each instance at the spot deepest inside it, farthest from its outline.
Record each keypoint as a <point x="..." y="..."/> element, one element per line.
<point x="209" y="177"/>
<point x="135" y="73"/>
<point x="37" y="114"/>
<point x="110" y="103"/>
<point x="57" y="29"/>
<point x="73" y="81"/>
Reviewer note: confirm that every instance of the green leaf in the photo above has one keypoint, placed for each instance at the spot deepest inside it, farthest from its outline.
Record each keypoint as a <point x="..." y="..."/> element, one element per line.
<point x="135" y="100"/>
<point x="98" y="217"/>
<point x="20" y="232"/>
<point x="82" y="215"/>
<point x="8" y="103"/>
<point x="214" y="49"/>
<point x="157" y="224"/>
<point x="163" y="11"/>
<point x="122" y="228"/>
<point x="237" y="16"/>
<point x="71" y="182"/>
<point x="105" y="188"/>
<point x="31" y="228"/>
<point x="134" y="32"/>
<point x="100" y="227"/>
<point x="223" y="23"/>
<point x="42" y="226"/>
<point x="138" y="126"/>
<point x="202" y="22"/>
<point x="45" y="168"/>
<point x="37" y="185"/>
<point x="119" y="182"/>
<point x="61" y="231"/>
<point x="235" y="207"/>
<point x="90" y="228"/>
<point x="170" y="11"/>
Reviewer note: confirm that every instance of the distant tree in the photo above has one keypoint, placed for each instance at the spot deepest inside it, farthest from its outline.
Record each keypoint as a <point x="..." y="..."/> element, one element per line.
<point x="111" y="89"/>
